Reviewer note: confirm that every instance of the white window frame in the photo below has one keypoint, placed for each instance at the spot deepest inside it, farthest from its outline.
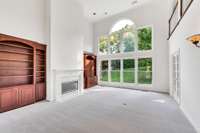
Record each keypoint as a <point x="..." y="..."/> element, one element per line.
<point x="136" y="54"/>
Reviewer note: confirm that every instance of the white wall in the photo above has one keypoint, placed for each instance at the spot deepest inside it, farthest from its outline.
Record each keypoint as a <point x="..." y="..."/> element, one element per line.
<point x="23" y="18"/>
<point x="190" y="63"/>
<point x="154" y="13"/>
<point x="88" y="39"/>
<point x="70" y="35"/>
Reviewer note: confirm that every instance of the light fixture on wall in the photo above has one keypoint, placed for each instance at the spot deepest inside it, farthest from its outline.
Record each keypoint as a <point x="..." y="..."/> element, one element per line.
<point x="195" y="39"/>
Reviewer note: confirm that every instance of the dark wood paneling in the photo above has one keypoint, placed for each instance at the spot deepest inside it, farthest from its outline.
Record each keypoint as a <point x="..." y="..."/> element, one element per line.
<point x="8" y="99"/>
<point x="15" y="80"/>
<point x="16" y="40"/>
<point x="9" y="48"/>
<point x="26" y="95"/>
<point x="15" y="64"/>
<point x="40" y="91"/>
<point x="15" y="72"/>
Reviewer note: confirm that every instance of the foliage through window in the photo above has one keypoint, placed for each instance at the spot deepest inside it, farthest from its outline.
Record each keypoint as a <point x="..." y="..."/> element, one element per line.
<point x="103" y="45"/>
<point x="145" y="71"/>
<point x="115" y="72"/>
<point x="104" y="71"/>
<point x="115" y="39"/>
<point x="128" y="39"/>
<point x="129" y="70"/>
<point x="145" y="38"/>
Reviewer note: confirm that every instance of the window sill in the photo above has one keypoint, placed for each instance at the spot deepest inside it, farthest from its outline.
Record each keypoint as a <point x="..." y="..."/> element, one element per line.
<point x="131" y="85"/>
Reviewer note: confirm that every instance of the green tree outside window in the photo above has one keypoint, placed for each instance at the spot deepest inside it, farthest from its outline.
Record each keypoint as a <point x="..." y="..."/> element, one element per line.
<point x="145" y="38"/>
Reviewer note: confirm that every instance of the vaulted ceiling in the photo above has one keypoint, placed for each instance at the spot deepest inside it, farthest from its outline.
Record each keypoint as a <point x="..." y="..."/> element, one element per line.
<point x="96" y="10"/>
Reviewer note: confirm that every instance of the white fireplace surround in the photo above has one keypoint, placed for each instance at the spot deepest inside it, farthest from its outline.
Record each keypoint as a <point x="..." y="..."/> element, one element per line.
<point x="61" y="76"/>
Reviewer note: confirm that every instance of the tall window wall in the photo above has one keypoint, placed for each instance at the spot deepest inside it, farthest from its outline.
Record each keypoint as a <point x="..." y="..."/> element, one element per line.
<point x="125" y="55"/>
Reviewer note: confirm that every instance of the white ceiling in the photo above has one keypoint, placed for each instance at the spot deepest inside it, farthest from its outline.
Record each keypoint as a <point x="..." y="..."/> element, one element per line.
<point x="112" y="7"/>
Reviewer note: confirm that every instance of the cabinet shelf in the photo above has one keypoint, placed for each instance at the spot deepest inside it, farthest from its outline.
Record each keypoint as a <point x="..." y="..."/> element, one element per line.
<point x="14" y="68"/>
<point x="41" y="60"/>
<point x="40" y="65"/>
<point x="14" y="52"/>
<point x="15" y="60"/>
<point x="16" y="76"/>
<point x="40" y="77"/>
<point x="16" y="46"/>
<point x="40" y="54"/>
<point x="40" y="71"/>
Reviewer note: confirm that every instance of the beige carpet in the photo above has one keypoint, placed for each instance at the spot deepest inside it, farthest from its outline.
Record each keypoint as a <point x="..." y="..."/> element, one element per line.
<point x="101" y="110"/>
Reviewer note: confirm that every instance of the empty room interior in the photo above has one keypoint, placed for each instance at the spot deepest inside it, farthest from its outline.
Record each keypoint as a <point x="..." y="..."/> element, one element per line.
<point x="99" y="66"/>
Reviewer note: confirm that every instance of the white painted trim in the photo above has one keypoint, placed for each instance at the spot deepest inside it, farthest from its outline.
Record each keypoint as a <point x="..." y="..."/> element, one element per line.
<point x="121" y="71"/>
<point x="190" y="119"/>
<point x="133" y="86"/>
<point x="198" y="130"/>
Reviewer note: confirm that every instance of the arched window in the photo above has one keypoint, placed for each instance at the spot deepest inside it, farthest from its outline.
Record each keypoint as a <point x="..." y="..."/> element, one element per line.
<point x="121" y="24"/>
<point x="122" y="38"/>
<point x="127" y="54"/>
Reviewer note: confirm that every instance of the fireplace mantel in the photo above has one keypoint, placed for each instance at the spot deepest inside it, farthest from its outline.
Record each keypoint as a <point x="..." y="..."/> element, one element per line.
<point x="67" y="75"/>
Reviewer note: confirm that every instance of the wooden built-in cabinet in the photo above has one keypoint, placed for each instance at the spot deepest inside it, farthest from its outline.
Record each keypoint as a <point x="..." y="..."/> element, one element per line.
<point x="8" y="99"/>
<point x="22" y="72"/>
<point x="40" y="74"/>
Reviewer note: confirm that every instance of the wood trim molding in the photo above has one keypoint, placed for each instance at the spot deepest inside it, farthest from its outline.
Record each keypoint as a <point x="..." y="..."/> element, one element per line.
<point x="4" y="37"/>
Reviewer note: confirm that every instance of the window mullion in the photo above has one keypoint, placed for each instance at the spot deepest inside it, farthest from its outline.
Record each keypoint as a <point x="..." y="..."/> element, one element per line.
<point x="109" y="70"/>
<point x="121" y="71"/>
<point x="109" y="52"/>
<point x="121" y="45"/>
<point x="136" y="70"/>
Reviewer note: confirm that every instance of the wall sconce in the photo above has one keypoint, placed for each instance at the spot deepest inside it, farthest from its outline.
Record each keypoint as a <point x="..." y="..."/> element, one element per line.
<point x="195" y="39"/>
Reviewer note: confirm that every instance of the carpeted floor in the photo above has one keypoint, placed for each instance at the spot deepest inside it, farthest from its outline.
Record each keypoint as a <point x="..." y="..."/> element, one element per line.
<point x="100" y="110"/>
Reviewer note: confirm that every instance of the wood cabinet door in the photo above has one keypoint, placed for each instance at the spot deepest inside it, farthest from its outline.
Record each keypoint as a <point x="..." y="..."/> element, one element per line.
<point x="90" y="75"/>
<point x="8" y="99"/>
<point x="40" y="91"/>
<point x="27" y="95"/>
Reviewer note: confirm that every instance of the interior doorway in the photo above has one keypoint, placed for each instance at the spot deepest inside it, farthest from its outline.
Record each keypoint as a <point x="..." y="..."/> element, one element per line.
<point x="90" y="70"/>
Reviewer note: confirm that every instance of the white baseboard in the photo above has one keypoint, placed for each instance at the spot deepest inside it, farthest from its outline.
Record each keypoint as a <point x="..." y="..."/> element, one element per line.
<point x="190" y="120"/>
<point x="198" y="130"/>
<point x="133" y="86"/>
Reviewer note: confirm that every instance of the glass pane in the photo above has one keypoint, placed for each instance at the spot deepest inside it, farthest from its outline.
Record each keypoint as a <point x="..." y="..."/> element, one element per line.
<point x="103" y="45"/>
<point x="145" y="38"/>
<point x="115" y="39"/>
<point x="145" y="71"/>
<point x="128" y="39"/>
<point x="128" y="42"/>
<point x="115" y="70"/>
<point x="129" y="71"/>
<point x="104" y="71"/>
